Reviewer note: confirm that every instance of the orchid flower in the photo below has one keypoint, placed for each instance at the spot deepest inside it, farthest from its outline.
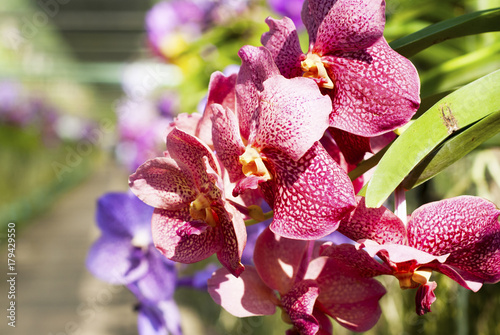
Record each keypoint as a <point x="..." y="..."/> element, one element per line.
<point x="373" y="89"/>
<point x="271" y="142"/>
<point x="125" y="254"/>
<point x="191" y="220"/>
<point x="307" y="287"/>
<point x="458" y="237"/>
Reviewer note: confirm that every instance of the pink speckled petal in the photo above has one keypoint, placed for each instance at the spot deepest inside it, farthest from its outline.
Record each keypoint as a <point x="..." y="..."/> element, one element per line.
<point x="244" y="296"/>
<point x="425" y="297"/>
<point x="187" y="122"/>
<point x="247" y="183"/>
<point x="277" y="260"/>
<point x="376" y="90"/>
<point x="234" y="237"/>
<point x="299" y="304"/>
<point x="464" y="278"/>
<point x="160" y="183"/>
<point x="343" y="24"/>
<point x="189" y="152"/>
<point x="353" y="147"/>
<point x="350" y="299"/>
<point x="257" y="66"/>
<point x="183" y="240"/>
<point x="227" y="140"/>
<point x="452" y="225"/>
<point x="311" y="194"/>
<point x="220" y="91"/>
<point x="282" y="41"/>
<point x="481" y="260"/>
<point x="293" y="115"/>
<point x="377" y="224"/>
<point x="401" y="253"/>
<point x="359" y="261"/>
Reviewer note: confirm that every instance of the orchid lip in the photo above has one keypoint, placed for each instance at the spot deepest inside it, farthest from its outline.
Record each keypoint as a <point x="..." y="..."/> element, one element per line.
<point x="199" y="209"/>
<point x="253" y="164"/>
<point x="408" y="280"/>
<point x="314" y="67"/>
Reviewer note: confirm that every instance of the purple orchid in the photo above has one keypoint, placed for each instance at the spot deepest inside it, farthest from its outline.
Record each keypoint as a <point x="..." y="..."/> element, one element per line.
<point x="191" y="220"/>
<point x="459" y="237"/>
<point x="271" y="142"/>
<point x="288" y="8"/>
<point x="310" y="287"/>
<point x="373" y="89"/>
<point x="142" y="129"/>
<point x="171" y="25"/>
<point x="125" y="254"/>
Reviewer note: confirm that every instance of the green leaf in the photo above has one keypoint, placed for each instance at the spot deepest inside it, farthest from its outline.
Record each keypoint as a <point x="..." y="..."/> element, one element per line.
<point x="468" y="24"/>
<point x="453" y="149"/>
<point x="456" y="111"/>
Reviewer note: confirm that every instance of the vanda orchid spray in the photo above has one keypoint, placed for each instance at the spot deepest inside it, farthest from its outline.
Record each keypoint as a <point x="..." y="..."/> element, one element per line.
<point x="274" y="146"/>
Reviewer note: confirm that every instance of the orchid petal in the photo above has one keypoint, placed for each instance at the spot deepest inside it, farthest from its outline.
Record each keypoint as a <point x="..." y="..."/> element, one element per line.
<point x="109" y="259"/>
<point x="398" y="253"/>
<point x="353" y="147"/>
<point x="187" y="122"/>
<point x="234" y="238"/>
<point x="282" y="41"/>
<point x="351" y="300"/>
<point x="377" y="224"/>
<point x="227" y="140"/>
<point x="293" y="115"/>
<point x="425" y="297"/>
<point x="299" y="304"/>
<point x="189" y="151"/>
<point x="277" y="259"/>
<point x="159" y="282"/>
<point x="464" y="278"/>
<point x="311" y="196"/>
<point x="359" y="261"/>
<point x="343" y="24"/>
<point x="257" y="66"/>
<point x="376" y="90"/>
<point x="123" y="214"/>
<point x="160" y="183"/>
<point x="221" y="90"/>
<point x="481" y="260"/>
<point x="244" y="296"/>
<point x="452" y="225"/>
<point x="182" y="240"/>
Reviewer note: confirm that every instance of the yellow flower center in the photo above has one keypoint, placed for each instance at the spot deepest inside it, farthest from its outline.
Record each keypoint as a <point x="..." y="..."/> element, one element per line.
<point x="253" y="164"/>
<point x="199" y="209"/>
<point x="314" y="67"/>
<point x="413" y="280"/>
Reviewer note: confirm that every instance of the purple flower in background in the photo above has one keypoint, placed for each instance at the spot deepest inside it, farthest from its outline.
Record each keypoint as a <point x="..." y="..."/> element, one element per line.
<point x="171" y="25"/>
<point x="290" y="9"/>
<point x="125" y="254"/>
<point x="142" y="128"/>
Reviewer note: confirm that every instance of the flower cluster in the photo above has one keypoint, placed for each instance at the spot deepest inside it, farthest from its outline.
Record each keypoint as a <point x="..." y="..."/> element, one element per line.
<point x="282" y="133"/>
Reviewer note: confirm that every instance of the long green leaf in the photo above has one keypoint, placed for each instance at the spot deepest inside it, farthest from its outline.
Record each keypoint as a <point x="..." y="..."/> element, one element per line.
<point x="453" y="149"/>
<point x="456" y="111"/>
<point x="468" y="24"/>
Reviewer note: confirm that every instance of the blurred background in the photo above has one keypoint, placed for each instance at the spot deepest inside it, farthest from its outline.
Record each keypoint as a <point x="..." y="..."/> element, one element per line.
<point x="87" y="88"/>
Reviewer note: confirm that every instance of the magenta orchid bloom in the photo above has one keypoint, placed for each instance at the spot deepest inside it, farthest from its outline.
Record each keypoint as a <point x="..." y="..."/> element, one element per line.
<point x="271" y="143"/>
<point x="310" y="287"/>
<point x="373" y="89"/>
<point x="458" y="237"/>
<point x="191" y="220"/>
